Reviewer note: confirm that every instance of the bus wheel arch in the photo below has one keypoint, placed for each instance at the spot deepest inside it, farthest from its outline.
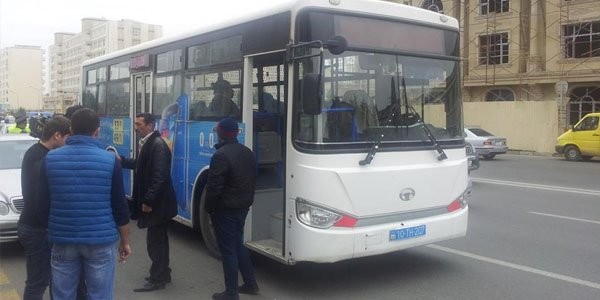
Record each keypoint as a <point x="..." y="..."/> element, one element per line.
<point x="202" y="218"/>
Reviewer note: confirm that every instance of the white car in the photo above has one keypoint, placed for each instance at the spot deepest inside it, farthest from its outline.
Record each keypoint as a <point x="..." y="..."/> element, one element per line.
<point x="486" y="144"/>
<point x="12" y="150"/>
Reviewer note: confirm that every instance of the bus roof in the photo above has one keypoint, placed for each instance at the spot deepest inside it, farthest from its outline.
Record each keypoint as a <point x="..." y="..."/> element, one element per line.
<point x="376" y="8"/>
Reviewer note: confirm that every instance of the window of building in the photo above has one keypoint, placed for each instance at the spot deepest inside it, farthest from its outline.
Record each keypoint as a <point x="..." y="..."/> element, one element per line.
<point x="582" y="40"/>
<point x="433" y="5"/>
<point x="493" y="6"/>
<point x="135" y="31"/>
<point x="493" y="49"/>
<point x="500" y="95"/>
<point x="583" y="100"/>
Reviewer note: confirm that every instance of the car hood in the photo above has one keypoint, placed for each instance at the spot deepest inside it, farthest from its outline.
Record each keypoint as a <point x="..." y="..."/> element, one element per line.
<point x="10" y="183"/>
<point x="565" y="134"/>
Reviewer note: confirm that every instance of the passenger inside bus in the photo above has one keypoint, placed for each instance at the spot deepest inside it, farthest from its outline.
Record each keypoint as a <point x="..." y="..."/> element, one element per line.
<point x="221" y="104"/>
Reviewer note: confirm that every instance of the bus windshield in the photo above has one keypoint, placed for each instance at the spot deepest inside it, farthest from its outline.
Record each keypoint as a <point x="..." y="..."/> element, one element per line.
<point x="382" y="88"/>
<point x="367" y="95"/>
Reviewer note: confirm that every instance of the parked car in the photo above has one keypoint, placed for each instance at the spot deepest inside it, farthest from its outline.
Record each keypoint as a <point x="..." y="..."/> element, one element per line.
<point x="473" y="158"/>
<point x="582" y="142"/>
<point x="12" y="150"/>
<point x="486" y="144"/>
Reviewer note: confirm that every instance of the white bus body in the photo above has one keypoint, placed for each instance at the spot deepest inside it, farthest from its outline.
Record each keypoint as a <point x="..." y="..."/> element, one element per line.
<point x="319" y="203"/>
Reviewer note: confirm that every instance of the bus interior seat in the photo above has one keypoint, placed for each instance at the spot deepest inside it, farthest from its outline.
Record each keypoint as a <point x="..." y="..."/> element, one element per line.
<point x="268" y="149"/>
<point x="269" y="166"/>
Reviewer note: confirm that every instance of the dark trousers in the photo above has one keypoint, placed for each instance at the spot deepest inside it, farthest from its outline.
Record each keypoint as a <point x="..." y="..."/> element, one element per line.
<point x="229" y="231"/>
<point x="37" y="251"/>
<point x="157" y="244"/>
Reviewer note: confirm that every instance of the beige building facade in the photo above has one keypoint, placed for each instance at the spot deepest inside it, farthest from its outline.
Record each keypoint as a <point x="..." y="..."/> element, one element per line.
<point x="97" y="37"/>
<point x="21" y="69"/>
<point x="516" y="53"/>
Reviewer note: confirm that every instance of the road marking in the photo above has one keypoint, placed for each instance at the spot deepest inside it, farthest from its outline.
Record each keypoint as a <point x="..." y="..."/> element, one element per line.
<point x="10" y="295"/>
<point x="518" y="267"/>
<point x="564" y="217"/>
<point x="538" y="186"/>
<point x="3" y="278"/>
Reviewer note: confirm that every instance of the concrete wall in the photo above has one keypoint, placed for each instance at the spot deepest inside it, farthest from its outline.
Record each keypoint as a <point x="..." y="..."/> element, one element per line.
<point x="527" y="125"/>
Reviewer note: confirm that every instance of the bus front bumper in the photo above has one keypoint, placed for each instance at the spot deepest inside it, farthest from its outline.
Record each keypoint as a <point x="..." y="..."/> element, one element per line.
<point x="335" y="244"/>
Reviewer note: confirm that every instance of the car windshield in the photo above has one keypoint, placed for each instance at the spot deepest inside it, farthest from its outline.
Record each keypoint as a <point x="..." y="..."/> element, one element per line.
<point x="480" y="132"/>
<point x="12" y="153"/>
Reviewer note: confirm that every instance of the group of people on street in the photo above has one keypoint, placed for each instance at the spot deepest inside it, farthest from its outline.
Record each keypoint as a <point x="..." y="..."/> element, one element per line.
<point x="74" y="226"/>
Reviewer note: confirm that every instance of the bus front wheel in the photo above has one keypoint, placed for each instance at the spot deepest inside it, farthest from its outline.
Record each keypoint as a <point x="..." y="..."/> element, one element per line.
<point x="206" y="227"/>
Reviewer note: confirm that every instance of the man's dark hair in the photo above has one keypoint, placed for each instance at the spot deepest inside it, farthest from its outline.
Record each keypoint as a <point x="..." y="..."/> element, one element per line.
<point x="72" y="109"/>
<point x="148" y="118"/>
<point x="84" y="122"/>
<point x="56" y="124"/>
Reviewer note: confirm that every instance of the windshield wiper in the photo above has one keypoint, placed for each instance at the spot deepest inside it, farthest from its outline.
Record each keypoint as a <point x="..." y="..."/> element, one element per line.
<point x="441" y="154"/>
<point x="394" y="109"/>
<point x="371" y="152"/>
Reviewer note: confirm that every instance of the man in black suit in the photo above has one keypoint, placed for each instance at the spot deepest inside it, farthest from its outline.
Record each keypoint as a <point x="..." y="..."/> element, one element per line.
<point x="154" y="198"/>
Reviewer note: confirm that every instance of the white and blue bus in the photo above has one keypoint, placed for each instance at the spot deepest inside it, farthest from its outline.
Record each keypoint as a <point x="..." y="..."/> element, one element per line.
<point x="352" y="108"/>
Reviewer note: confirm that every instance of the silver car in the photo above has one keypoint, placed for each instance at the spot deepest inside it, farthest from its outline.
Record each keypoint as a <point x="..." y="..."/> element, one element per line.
<point x="12" y="150"/>
<point x="486" y="144"/>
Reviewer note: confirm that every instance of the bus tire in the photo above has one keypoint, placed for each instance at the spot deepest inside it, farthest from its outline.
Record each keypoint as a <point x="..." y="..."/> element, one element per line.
<point x="206" y="227"/>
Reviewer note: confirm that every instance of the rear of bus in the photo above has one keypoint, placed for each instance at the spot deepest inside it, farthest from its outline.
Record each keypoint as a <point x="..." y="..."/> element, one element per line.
<point x="377" y="158"/>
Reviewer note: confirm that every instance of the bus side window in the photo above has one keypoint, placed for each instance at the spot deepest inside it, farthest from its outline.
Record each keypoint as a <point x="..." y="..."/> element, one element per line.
<point x="198" y="109"/>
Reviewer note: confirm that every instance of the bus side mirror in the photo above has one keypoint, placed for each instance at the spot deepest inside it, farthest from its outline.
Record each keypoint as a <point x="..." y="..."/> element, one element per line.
<point x="311" y="94"/>
<point x="337" y="44"/>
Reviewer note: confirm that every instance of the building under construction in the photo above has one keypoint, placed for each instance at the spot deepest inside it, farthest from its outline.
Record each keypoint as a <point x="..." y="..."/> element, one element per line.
<point x="519" y="52"/>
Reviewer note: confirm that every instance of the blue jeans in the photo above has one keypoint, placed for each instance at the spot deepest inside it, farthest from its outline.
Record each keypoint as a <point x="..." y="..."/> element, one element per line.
<point x="37" y="250"/>
<point x="229" y="231"/>
<point x="98" y="263"/>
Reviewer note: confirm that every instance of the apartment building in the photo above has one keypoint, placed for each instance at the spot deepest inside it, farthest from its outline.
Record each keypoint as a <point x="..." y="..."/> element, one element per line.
<point x="97" y="37"/>
<point x="21" y="70"/>
<point x="530" y="67"/>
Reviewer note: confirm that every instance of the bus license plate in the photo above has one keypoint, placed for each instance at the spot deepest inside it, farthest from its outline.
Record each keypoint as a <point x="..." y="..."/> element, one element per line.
<point x="407" y="233"/>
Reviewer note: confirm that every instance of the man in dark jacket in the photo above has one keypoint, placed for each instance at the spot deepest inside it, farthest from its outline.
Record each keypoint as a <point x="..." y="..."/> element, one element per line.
<point x="229" y="195"/>
<point x="154" y="198"/>
<point x="32" y="230"/>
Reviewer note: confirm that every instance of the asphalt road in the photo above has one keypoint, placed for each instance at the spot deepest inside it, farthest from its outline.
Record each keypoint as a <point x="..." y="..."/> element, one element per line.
<point x="533" y="234"/>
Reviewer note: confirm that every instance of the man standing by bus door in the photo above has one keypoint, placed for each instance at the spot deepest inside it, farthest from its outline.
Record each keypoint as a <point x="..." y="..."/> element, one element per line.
<point x="229" y="194"/>
<point x="154" y="198"/>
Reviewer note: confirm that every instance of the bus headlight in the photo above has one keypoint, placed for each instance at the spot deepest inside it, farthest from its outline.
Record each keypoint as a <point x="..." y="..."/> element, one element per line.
<point x="315" y="216"/>
<point x="4" y="209"/>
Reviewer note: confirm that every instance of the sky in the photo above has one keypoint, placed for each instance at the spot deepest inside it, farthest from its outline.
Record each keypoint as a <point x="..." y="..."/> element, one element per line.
<point x="34" y="22"/>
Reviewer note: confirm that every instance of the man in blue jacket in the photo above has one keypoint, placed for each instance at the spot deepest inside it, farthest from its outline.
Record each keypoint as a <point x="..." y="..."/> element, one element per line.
<point x="88" y="212"/>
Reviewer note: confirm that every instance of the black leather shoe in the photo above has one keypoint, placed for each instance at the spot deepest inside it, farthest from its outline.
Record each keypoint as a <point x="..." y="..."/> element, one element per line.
<point x="225" y="296"/>
<point x="150" y="279"/>
<point x="248" y="289"/>
<point x="151" y="286"/>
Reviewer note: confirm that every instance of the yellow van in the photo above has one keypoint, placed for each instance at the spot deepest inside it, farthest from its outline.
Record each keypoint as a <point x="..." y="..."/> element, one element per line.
<point x="582" y="142"/>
